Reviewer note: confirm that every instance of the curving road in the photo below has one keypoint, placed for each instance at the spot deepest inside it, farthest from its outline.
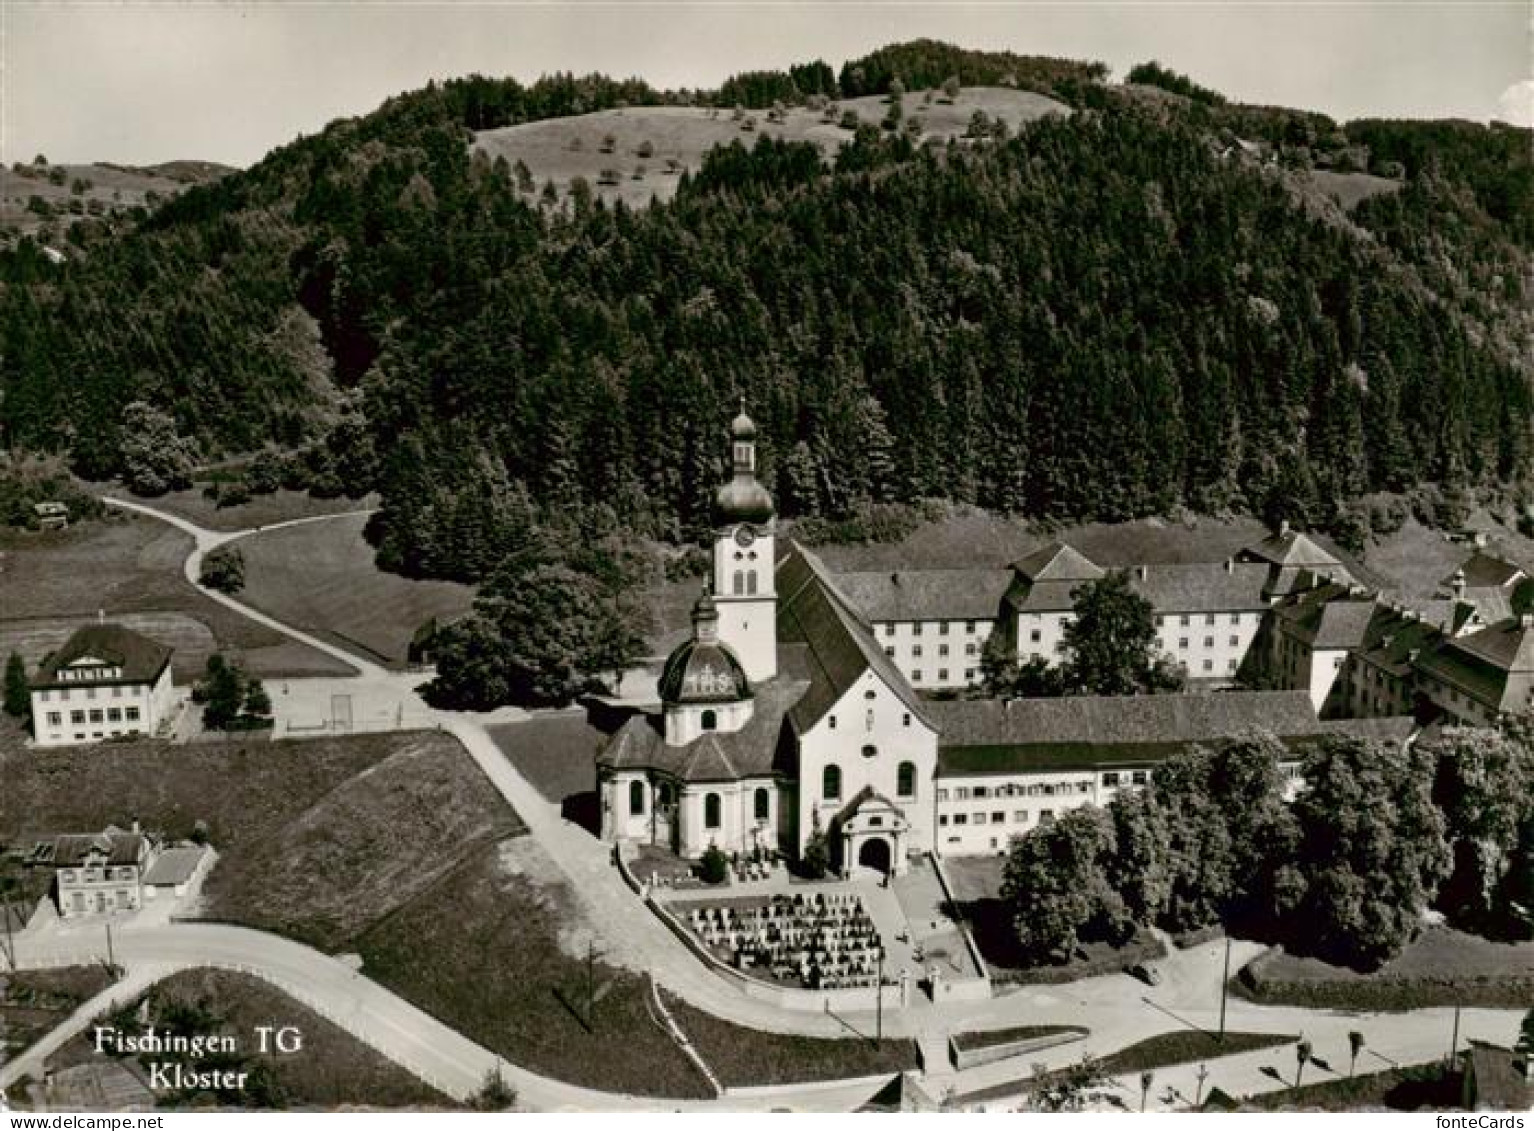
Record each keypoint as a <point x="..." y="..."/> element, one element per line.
<point x="1112" y="1007"/>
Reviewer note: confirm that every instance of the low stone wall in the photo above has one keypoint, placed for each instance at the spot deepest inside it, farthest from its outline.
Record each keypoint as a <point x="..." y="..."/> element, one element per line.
<point x="969" y="938"/>
<point x="973" y="1058"/>
<point x="766" y="1091"/>
<point x="785" y="997"/>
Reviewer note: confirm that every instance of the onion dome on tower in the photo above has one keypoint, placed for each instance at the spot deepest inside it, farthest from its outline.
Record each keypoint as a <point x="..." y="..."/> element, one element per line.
<point x="704" y="669"/>
<point x="742" y="499"/>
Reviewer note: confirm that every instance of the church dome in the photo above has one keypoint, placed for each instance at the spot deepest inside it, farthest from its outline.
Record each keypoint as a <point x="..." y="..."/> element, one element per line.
<point x="703" y="671"/>
<point x="743" y="428"/>
<point x="742" y="499"/>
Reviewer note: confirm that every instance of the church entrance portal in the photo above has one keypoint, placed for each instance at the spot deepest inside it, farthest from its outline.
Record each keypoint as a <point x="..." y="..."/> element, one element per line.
<point x="875" y="854"/>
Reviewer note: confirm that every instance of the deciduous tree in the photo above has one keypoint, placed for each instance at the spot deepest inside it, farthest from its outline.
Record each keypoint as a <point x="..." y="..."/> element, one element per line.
<point x="1110" y="642"/>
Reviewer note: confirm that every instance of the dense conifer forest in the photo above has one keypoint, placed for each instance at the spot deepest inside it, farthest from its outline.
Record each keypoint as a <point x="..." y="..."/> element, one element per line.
<point x="1119" y="313"/>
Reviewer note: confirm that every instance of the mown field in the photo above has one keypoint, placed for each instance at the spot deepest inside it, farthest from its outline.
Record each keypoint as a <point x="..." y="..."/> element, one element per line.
<point x="1181" y="1046"/>
<point x="320" y="577"/>
<point x="743" y="1057"/>
<point x="333" y="1069"/>
<point x="261" y="510"/>
<point x="317" y="838"/>
<point x="561" y="149"/>
<point x="1396" y="1089"/>
<point x="498" y="951"/>
<point x="130" y="568"/>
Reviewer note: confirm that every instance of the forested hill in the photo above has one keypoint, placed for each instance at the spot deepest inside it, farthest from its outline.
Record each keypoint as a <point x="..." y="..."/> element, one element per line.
<point x="1143" y="306"/>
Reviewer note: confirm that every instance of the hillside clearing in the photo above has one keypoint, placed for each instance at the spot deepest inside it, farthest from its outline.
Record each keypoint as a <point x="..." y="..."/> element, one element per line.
<point x="561" y="149"/>
<point x="321" y="577"/>
<point x="261" y="510"/>
<point x="105" y="190"/>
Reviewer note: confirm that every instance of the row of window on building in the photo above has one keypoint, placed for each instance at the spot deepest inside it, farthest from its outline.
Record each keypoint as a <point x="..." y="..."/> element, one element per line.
<point x="942" y="650"/>
<point x="995" y="817"/>
<point x="90" y="693"/>
<point x="95" y="875"/>
<point x="943" y="627"/>
<point x="1185" y="620"/>
<point x="831" y="780"/>
<point x="95" y="715"/>
<point x="1111" y="779"/>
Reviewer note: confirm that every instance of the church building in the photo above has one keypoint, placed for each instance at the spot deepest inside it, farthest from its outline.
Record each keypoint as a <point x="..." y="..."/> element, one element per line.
<point x="792" y="713"/>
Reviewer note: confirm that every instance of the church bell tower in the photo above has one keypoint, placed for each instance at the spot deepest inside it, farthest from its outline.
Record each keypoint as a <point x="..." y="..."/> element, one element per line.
<point x="744" y="559"/>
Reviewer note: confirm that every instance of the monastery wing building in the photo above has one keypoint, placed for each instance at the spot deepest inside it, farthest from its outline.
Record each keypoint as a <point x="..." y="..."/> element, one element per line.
<point x="796" y="709"/>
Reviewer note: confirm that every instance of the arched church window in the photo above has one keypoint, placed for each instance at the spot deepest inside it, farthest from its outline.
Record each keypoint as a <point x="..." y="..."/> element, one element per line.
<point x="831" y="783"/>
<point x="751" y="582"/>
<point x="710" y="720"/>
<point x="636" y="798"/>
<point x="763" y="804"/>
<point x="906" y="780"/>
<point x="711" y="811"/>
<point x="738" y="584"/>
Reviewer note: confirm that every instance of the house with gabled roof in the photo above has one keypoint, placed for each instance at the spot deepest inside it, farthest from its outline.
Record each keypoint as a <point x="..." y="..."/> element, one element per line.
<point x="97" y="873"/>
<point x="1478" y="677"/>
<point x="106" y="681"/>
<point x="1295" y="562"/>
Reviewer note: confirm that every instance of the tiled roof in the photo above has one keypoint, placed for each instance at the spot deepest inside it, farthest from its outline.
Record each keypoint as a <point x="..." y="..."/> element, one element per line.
<point x="120" y="848"/>
<point x="1291" y="548"/>
<point x="140" y="659"/>
<point x="1130" y="718"/>
<point x="927" y="594"/>
<point x="1202" y="587"/>
<point x="1495" y="665"/>
<point x="174" y="866"/>
<point x="749" y="752"/>
<point x="1042" y="596"/>
<point x="990" y="736"/>
<point x="1331" y="616"/>
<point x="1394" y="728"/>
<point x="838" y="647"/>
<point x="1483" y="570"/>
<point x="1394" y="637"/>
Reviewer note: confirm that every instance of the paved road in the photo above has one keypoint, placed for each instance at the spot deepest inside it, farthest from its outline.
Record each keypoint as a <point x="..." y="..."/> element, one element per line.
<point x="1117" y="1010"/>
<point x="206" y="540"/>
<point x="422" y="1044"/>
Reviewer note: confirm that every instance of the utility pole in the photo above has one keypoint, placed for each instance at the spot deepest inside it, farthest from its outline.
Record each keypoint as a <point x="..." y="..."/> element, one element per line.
<point x="1203" y="1074"/>
<point x="10" y="940"/>
<point x="1454" y="1040"/>
<point x="591" y="983"/>
<point x="879" y="1002"/>
<point x="1224" y="989"/>
<point x="111" y="955"/>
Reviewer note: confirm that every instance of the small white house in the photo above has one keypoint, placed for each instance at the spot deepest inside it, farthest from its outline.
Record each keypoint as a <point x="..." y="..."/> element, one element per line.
<point x="106" y="681"/>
